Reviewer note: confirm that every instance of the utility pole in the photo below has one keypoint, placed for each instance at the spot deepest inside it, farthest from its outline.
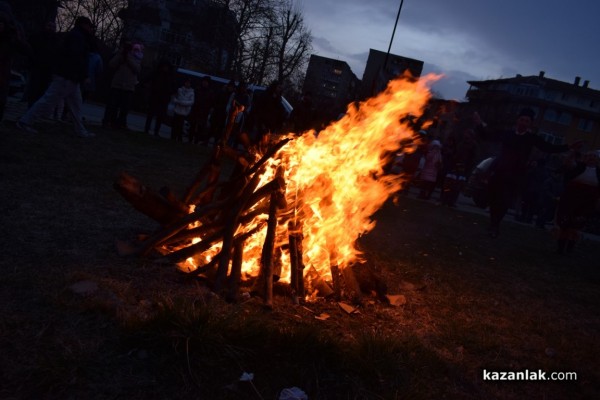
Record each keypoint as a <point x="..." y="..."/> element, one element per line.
<point x="387" y="55"/>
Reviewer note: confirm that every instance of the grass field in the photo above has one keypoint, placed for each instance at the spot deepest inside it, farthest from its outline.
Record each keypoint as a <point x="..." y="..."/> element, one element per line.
<point x="145" y="332"/>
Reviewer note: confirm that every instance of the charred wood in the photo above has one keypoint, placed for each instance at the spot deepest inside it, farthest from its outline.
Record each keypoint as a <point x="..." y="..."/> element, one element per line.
<point x="148" y="202"/>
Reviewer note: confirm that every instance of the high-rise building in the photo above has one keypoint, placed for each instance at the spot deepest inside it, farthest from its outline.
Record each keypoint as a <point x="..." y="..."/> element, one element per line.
<point x="565" y="111"/>
<point x="382" y="67"/>
<point x="332" y="84"/>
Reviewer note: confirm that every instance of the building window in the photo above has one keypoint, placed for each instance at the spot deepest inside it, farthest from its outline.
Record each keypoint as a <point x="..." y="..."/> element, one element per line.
<point x="337" y="71"/>
<point x="330" y="85"/>
<point x="174" y="58"/>
<point x="552" y="138"/>
<point x="172" y="37"/>
<point x="550" y="115"/>
<point x="585" y="125"/>
<point x="564" y="118"/>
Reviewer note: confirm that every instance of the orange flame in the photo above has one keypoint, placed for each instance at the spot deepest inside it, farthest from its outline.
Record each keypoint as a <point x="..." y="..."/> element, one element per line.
<point x="335" y="180"/>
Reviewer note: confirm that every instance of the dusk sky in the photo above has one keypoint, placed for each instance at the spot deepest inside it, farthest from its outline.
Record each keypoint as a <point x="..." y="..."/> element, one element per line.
<point x="464" y="39"/>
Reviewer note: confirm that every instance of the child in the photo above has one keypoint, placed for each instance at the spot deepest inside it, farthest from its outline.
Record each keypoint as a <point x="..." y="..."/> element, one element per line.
<point x="431" y="167"/>
<point x="184" y="99"/>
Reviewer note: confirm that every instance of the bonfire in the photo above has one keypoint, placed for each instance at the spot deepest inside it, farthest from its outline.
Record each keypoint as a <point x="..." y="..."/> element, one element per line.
<point x="292" y="211"/>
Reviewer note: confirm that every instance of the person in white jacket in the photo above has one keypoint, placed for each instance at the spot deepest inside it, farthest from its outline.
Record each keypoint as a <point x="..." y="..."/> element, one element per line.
<point x="184" y="99"/>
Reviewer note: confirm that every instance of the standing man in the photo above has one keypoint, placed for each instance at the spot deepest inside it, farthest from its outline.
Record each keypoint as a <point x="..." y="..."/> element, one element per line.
<point x="511" y="165"/>
<point x="12" y="42"/>
<point x="161" y="87"/>
<point x="126" y="66"/>
<point x="71" y="71"/>
<point x="44" y="46"/>
<point x="204" y="102"/>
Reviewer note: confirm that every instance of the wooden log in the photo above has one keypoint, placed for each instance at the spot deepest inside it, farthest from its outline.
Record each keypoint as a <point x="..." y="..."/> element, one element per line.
<point x="161" y="236"/>
<point x="197" y="232"/>
<point x="212" y="183"/>
<point x="317" y="283"/>
<point x="277" y="263"/>
<point x="236" y="271"/>
<point x="171" y="235"/>
<point x="335" y="275"/>
<point x="210" y="167"/>
<point x="266" y="190"/>
<point x="200" y="247"/>
<point x="336" y="281"/>
<point x="208" y="267"/>
<point x="147" y="201"/>
<point x="267" y="253"/>
<point x="293" y="258"/>
<point x="300" y="290"/>
<point x="241" y="237"/>
<point x="352" y="286"/>
<point x="231" y="226"/>
<point x="268" y="154"/>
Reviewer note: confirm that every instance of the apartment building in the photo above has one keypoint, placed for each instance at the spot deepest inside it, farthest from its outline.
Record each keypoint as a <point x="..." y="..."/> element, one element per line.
<point x="333" y="85"/>
<point x="565" y="111"/>
<point x="191" y="34"/>
<point x="382" y="67"/>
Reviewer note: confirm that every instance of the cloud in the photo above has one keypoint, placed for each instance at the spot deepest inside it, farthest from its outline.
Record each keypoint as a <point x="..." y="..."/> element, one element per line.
<point x="465" y="38"/>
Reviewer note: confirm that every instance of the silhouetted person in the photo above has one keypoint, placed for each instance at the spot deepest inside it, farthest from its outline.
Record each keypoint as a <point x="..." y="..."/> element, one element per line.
<point x="12" y="42"/>
<point x="70" y="72"/>
<point x="162" y="87"/>
<point x="126" y="66"/>
<point x="511" y="165"/>
<point x="267" y="114"/>
<point x="303" y="117"/>
<point x="218" y="118"/>
<point x="204" y="102"/>
<point x="44" y="46"/>
<point x="183" y="100"/>
<point x="578" y="201"/>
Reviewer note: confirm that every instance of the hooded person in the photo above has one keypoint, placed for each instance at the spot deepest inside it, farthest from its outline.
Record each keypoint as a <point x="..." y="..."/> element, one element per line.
<point x="431" y="167"/>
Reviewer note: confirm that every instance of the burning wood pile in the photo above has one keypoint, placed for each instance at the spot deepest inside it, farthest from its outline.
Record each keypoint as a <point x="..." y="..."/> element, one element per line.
<point x="290" y="212"/>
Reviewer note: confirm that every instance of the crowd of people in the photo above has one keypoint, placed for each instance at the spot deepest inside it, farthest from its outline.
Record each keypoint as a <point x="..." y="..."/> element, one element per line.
<point x="566" y="193"/>
<point x="66" y="69"/>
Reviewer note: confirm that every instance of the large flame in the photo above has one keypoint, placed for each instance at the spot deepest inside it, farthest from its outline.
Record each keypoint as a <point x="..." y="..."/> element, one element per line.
<point x="334" y="179"/>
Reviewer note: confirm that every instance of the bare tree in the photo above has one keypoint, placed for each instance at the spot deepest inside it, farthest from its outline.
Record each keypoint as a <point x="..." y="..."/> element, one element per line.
<point x="273" y="42"/>
<point x="104" y="14"/>
<point x="293" y="40"/>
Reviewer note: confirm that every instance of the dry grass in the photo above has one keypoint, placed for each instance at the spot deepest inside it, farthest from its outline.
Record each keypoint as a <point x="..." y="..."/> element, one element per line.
<point x="472" y="302"/>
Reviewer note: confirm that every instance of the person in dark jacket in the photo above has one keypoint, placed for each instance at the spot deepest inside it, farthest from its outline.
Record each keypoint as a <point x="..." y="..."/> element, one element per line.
<point x="204" y="102"/>
<point x="218" y="118"/>
<point x="302" y="117"/>
<point x="511" y="165"/>
<point x="12" y="42"/>
<point x="579" y="199"/>
<point x="44" y="45"/>
<point x="268" y="114"/>
<point x="162" y="87"/>
<point x="70" y="72"/>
